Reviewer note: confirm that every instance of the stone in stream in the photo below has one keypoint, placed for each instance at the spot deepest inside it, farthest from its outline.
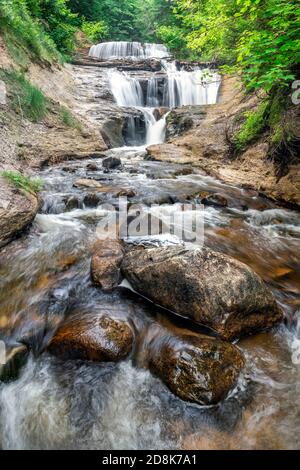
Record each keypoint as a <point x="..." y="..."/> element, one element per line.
<point x="14" y="358"/>
<point x="92" y="167"/>
<point x="92" y="337"/>
<point x="198" y="368"/>
<point x="205" y="286"/>
<point x="86" y="183"/>
<point x="106" y="263"/>
<point x="111" y="162"/>
<point x="17" y="210"/>
<point x="216" y="200"/>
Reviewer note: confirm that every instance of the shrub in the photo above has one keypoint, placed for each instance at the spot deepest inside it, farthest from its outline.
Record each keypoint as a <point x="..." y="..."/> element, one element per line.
<point x="17" y="24"/>
<point x="95" y="32"/>
<point x="253" y="126"/>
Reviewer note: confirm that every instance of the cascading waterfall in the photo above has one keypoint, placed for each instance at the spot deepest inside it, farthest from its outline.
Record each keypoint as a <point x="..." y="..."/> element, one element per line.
<point x="128" y="92"/>
<point x="173" y="88"/>
<point x="131" y="50"/>
<point x="184" y="88"/>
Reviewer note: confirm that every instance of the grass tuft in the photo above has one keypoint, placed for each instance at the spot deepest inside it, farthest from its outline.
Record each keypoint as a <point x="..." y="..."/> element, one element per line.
<point x="27" y="99"/>
<point x="20" y="181"/>
<point x="68" y="118"/>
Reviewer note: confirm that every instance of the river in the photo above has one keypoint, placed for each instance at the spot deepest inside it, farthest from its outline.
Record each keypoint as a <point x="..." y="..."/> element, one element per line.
<point x="45" y="276"/>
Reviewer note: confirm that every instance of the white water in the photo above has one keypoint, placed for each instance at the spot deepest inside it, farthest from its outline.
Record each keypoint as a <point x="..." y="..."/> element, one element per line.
<point x="128" y="92"/>
<point x="174" y="88"/>
<point x="123" y="49"/>
<point x="182" y="89"/>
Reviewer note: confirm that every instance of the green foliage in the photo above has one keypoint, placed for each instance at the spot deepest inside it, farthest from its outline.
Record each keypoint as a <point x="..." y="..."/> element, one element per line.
<point x="252" y="128"/>
<point x="258" y="38"/>
<point x="26" y="98"/>
<point x="95" y="32"/>
<point x="23" y="31"/>
<point x="20" y="181"/>
<point x="68" y="119"/>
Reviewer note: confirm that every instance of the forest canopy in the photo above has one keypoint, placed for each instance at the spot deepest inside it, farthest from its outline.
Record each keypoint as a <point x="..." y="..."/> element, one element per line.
<point x="260" y="39"/>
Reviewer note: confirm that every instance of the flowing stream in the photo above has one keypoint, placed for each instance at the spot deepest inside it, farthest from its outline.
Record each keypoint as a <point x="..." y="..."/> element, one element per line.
<point x="45" y="277"/>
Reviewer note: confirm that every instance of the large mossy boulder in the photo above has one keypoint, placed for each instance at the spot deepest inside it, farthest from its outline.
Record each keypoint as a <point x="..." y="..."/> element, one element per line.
<point x="198" y="368"/>
<point x="205" y="286"/>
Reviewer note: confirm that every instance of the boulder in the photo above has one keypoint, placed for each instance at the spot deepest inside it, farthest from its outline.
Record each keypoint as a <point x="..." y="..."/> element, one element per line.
<point x="92" y="337"/>
<point x="111" y="162"/>
<point x="198" y="368"/>
<point x="17" y="211"/>
<point x="106" y="262"/>
<point x="205" y="286"/>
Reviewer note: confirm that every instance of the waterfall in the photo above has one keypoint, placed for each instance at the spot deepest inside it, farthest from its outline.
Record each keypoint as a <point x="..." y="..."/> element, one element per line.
<point x="133" y="50"/>
<point x="152" y="93"/>
<point x="128" y="92"/>
<point x="173" y="88"/>
<point x="184" y="88"/>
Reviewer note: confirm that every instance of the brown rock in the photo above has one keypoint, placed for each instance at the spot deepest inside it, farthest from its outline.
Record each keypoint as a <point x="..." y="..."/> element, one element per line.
<point x="17" y="211"/>
<point x="94" y="338"/>
<point x="86" y="183"/>
<point x="206" y="286"/>
<point x="198" y="369"/>
<point x="106" y="263"/>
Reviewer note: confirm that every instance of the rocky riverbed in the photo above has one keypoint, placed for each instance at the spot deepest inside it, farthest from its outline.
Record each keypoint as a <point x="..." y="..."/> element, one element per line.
<point x="148" y="341"/>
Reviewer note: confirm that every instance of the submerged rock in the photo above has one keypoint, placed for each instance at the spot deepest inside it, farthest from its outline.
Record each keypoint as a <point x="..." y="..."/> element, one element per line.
<point x="197" y="369"/>
<point x="93" y="338"/>
<point x="206" y="286"/>
<point x="111" y="162"/>
<point x="106" y="263"/>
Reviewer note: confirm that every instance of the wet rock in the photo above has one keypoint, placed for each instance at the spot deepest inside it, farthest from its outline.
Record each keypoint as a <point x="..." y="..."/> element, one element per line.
<point x="92" y="167"/>
<point x="86" y="183"/>
<point x="111" y="162"/>
<point x="15" y="358"/>
<point x="197" y="369"/>
<point x="206" y="286"/>
<point x="91" y="200"/>
<point x="17" y="211"/>
<point x="182" y="119"/>
<point x="93" y="338"/>
<point x="106" y="262"/>
<point x="158" y="113"/>
<point x="216" y="200"/>
<point x="72" y="203"/>
<point x="126" y="193"/>
<point x="69" y="169"/>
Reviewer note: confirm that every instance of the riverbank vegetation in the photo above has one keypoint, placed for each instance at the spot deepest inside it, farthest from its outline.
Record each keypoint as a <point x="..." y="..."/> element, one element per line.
<point x="21" y="181"/>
